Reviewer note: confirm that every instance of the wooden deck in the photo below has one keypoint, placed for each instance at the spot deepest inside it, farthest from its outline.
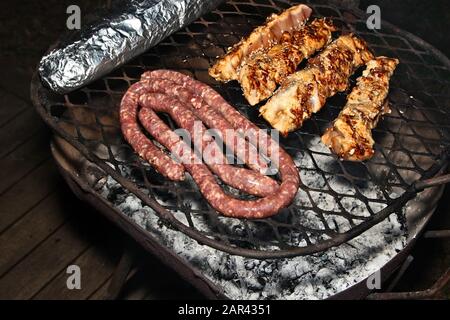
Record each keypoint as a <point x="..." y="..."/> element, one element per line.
<point x="44" y="227"/>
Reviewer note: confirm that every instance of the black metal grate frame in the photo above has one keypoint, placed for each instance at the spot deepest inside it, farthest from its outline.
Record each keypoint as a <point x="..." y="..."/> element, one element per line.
<point x="337" y="200"/>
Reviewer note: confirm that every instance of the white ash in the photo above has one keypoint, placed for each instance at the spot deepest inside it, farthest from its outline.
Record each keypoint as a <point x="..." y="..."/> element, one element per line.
<point x="310" y="219"/>
<point x="337" y="184"/>
<point x="355" y="207"/>
<point x="310" y="277"/>
<point x="338" y="223"/>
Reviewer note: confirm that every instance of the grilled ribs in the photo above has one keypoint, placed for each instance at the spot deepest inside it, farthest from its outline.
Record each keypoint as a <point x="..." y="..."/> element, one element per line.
<point x="226" y="68"/>
<point x="350" y="135"/>
<point x="306" y="91"/>
<point x="265" y="69"/>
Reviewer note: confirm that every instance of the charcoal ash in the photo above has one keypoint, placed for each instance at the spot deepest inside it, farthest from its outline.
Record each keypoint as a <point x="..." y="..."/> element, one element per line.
<point x="315" y="276"/>
<point x="227" y="268"/>
<point x="310" y="277"/>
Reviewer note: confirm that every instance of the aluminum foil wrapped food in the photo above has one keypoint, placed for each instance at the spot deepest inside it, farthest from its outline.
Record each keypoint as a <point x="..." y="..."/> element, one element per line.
<point x="117" y="39"/>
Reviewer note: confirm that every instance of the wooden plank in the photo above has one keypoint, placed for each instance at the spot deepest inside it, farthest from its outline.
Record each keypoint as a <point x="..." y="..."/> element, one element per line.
<point x="20" y="239"/>
<point x="18" y="85"/>
<point x="101" y="292"/>
<point x="26" y="157"/>
<point x="44" y="263"/>
<point x="164" y="283"/>
<point x="29" y="192"/>
<point x="137" y="287"/>
<point x="159" y="283"/>
<point x="10" y="107"/>
<point x="41" y="272"/>
<point x="121" y="274"/>
<point x="14" y="133"/>
<point x="96" y="265"/>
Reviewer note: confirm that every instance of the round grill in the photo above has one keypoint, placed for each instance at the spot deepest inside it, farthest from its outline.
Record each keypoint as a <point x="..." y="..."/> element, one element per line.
<point x="337" y="200"/>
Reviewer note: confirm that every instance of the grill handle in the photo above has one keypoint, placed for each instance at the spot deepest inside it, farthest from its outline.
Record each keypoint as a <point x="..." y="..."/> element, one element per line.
<point x="432" y="182"/>
<point x="435" y="292"/>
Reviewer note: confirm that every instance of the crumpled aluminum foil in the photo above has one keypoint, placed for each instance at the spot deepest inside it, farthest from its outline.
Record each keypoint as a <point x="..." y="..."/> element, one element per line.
<point x="115" y="40"/>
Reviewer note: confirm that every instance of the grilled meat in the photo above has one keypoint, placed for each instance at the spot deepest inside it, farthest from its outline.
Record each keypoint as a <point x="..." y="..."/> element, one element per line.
<point x="306" y="91"/>
<point x="265" y="69"/>
<point x="350" y="136"/>
<point x="226" y="68"/>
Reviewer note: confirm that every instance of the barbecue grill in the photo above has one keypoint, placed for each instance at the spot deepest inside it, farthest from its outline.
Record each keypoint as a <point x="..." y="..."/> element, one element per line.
<point x="338" y="202"/>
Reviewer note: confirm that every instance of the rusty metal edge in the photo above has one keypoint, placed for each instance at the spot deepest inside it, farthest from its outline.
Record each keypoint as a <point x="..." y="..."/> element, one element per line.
<point x="85" y="193"/>
<point x="436" y="291"/>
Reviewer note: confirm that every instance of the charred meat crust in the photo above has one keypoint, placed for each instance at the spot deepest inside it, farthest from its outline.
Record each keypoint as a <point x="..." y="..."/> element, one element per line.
<point x="350" y="135"/>
<point x="265" y="69"/>
<point x="305" y="92"/>
<point x="226" y="68"/>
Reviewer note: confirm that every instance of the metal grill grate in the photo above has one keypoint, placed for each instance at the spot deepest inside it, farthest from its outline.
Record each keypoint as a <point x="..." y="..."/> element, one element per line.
<point x="337" y="200"/>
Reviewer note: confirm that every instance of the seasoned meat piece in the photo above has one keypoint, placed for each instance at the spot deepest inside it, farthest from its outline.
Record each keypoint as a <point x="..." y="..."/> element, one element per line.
<point x="306" y="91"/>
<point x="226" y="68"/>
<point x="350" y="136"/>
<point x="265" y="69"/>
